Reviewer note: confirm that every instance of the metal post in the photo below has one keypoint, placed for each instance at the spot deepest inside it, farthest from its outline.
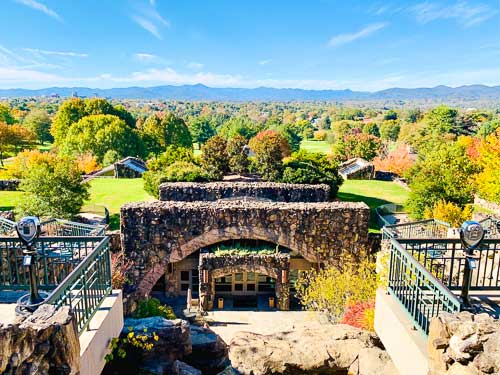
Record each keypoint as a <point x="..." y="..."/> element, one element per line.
<point x="471" y="236"/>
<point x="34" y="295"/>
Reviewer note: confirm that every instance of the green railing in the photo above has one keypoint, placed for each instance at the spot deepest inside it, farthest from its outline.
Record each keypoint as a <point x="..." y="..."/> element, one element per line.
<point x="418" y="291"/>
<point x="387" y="209"/>
<point x="76" y="271"/>
<point x="86" y="287"/>
<point x="430" y="228"/>
<point x="6" y="226"/>
<point x="61" y="228"/>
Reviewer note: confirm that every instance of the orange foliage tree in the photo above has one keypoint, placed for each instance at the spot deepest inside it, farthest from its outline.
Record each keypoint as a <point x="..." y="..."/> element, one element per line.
<point x="487" y="181"/>
<point x="397" y="161"/>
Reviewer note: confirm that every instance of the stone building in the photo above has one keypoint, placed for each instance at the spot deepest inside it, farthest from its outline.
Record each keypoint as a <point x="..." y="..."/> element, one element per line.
<point x="239" y="241"/>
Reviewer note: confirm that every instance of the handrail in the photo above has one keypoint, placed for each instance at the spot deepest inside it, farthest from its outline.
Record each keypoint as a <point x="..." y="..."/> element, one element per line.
<point x="416" y="289"/>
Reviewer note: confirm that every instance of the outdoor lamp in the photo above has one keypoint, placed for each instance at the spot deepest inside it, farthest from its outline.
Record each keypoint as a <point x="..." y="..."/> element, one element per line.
<point x="471" y="236"/>
<point x="28" y="230"/>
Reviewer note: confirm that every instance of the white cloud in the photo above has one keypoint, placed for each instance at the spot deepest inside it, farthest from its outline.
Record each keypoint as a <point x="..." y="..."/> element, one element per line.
<point x="464" y="13"/>
<point x="36" y="51"/>
<point x="40" y="7"/>
<point x="342" y="39"/>
<point x="264" y="62"/>
<point x="146" y="57"/>
<point x="193" y="65"/>
<point x="149" y="19"/>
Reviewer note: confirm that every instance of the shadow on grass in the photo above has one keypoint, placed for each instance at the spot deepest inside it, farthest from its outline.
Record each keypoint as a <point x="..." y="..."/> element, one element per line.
<point x="372" y="202"/>
<point x="6" y="208"/>
<point x="114" y="221"/>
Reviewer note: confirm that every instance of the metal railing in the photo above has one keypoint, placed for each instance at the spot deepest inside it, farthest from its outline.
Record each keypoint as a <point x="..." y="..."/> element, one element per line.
<point x="418" y="291"/>
<point x="61" y="228"/>
<point x="491" y="226"/>
<point x="86" y="287"/>
<point x="430" y="228"/>
<point x="387" y="209"/>
<point x="6" y="226"/>
<point x="76" y="271"/>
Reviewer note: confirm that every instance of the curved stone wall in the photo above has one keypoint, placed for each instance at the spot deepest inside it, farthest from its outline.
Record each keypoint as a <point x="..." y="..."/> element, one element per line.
<point x="156" y="233"/>
<point x="192" y="191"/>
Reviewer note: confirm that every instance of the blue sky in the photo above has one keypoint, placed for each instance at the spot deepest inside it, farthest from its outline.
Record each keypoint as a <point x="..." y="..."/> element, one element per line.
<point x="313" y="44"/>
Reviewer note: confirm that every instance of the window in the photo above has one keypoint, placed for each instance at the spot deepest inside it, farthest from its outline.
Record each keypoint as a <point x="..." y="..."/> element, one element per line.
<point x="238" y="287"/>
<point x="184" y="275"/>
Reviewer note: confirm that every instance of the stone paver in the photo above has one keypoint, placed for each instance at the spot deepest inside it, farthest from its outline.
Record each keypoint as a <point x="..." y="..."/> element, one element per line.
<point x="227" y="323"/>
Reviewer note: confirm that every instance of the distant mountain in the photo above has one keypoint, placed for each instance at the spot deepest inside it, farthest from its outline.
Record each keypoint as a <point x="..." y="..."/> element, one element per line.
<point x="202" y="92"/>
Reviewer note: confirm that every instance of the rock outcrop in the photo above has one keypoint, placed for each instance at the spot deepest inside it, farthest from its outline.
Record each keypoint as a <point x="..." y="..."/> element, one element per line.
<point x="45" y="342"/>
<point x="463" y="344"/>
<point x="210" y="352"/>
<point x="336" y="349"/>
<point x="174" y="338"/>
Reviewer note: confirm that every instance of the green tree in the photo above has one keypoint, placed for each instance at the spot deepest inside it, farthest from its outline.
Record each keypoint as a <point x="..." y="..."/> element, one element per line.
<point x="489" y="127"/>
<point x="238" y="126"/>
<point x="70" y="112"/>
<point x="389" y="130"/>
<point x="443" y="173"/>
<point x="372" y="129"/>
<point x="100" y="133"/>
<point x="53" y="189"/>
<point x="158" y="133"/>
<point x="312" y="168"/>
<point x="364" y="146"/>
<point x="39" y="123"/>
<point x="13" y="138"/>
<point x="441" y="119"/>
<point x="214" y="157"/>
<point x="201" y="129"/>
<point x="270" y="148"/>
<point x="238" y="155"/>
<point x="6" y="115"/>
<point x="414" y="115"/>
<point x="390" y="115"/>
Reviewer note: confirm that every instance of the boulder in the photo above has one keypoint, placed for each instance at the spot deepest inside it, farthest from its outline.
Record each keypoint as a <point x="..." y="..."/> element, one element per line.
<point x="209" y="351"/>
<point x="181" y="368"/>
<point x="174" y="338"/>
<point x="45" y="342"/>
<point x="489" y="360"/>
<point x="330" y="350"/>
<point x="373" y="361"/>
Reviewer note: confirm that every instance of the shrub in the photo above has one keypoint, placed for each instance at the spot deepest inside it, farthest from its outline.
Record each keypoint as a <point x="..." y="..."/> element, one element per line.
<point x="333" y="289"/>
<point x="319" y="135"/>
<point x="135" y="343"/>
<point x="119" y="269"/>
<point x="450" y="213"/>
<point x="312" y="168"/>
<point x="184" y="171"/>
<point x="110" y="157"/>
<point x="152" y="307"/>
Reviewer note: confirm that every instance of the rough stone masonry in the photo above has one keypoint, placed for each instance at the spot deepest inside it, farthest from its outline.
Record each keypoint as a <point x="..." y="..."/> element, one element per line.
<point x="158" y="232"/>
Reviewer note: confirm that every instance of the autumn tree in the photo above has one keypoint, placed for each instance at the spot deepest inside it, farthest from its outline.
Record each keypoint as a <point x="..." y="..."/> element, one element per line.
<point x="487" y="180"/>
<point x="270" y="147"/>
<point x="238" y="154"/>
<point x="214" y="157"/>
<point x="364" y="146"/>
<point x="389" y="130"/>
<point x="13" y="138"/>
<point x="398" y="161"/>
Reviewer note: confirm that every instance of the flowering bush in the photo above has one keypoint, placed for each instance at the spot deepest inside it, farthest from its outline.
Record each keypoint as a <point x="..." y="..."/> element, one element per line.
<point x="360" y="315"/>
<point x="119" y="269"/>
<point x="121" y="346"/>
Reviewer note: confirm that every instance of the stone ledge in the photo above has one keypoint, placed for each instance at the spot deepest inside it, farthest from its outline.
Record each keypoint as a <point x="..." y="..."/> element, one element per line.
<point x="212" y="191"/>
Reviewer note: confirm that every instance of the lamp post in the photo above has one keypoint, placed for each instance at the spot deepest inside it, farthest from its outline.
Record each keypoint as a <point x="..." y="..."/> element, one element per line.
<point x="28" y="230"/>
<point x="471" y="236"/>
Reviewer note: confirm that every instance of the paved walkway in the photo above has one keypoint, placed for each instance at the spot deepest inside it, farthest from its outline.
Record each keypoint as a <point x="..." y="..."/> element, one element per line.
<point x="226" y="323"/>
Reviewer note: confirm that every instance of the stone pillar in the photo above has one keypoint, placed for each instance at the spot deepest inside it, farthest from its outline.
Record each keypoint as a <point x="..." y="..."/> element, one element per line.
<point x="205" y="294"/>
<point x="283" y="291"/>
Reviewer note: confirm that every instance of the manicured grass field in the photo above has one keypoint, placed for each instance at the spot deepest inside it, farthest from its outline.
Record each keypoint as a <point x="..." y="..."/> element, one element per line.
<point x="374" y="193"/>
<point x="316" y="146"/>
<point x="109" y="192"/>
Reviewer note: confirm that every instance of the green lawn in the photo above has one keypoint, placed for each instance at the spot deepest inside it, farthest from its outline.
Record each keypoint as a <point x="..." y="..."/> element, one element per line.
<point x="374" y="193"/>
<point x="109" y="192"/>
<point x="316" y="146"/>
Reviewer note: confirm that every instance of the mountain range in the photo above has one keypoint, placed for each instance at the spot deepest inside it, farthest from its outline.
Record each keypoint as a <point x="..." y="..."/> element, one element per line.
<point x="202" y="92"/>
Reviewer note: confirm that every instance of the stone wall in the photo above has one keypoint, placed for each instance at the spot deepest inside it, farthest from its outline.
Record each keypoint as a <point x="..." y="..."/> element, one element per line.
<point x="492" y="206"/>
<point x="45" y="342"/>
<point x="156" y="233"/>
<point x="9" y="185"/>
<point x="464" y="343"/>
<point x="191" y="191"/>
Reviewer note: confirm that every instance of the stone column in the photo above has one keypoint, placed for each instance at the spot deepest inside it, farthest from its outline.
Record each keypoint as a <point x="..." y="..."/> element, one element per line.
<point x="205" y="291"/>
<point x="283" y="291"/>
